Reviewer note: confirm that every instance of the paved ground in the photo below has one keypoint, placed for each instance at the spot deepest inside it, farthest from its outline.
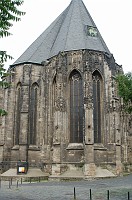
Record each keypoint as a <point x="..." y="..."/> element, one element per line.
<point x="31" y="173"/>
<point x="118" y="187"/>
<point x="72" y="173"/>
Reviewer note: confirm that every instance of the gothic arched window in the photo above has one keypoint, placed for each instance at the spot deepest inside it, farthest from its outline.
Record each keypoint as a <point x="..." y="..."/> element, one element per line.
<point x="54" y="91"/>
<point x="33" y="114"/>
<point x="76" y="107"/>
<point x="18" y="114"/>
<point x="97" y="106"/>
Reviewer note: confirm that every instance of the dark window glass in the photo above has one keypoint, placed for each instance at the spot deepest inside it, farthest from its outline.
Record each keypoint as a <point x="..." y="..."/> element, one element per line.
<point x="97" y="82"/>
<point x="18" y="115"/>
<point x="33" y="114"/>
<point x="54" y="91"/>
<point x="76" y="108"/>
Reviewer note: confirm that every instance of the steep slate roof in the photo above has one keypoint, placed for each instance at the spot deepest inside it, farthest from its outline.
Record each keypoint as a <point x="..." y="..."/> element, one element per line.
<point x="68" y="32"/>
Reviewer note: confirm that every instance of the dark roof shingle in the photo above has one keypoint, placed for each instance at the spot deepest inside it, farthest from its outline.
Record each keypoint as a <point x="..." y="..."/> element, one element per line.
<point x="66" y="33"/>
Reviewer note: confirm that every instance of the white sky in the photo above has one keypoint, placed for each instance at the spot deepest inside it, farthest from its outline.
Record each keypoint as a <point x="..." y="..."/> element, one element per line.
<point x="112" y="17"/>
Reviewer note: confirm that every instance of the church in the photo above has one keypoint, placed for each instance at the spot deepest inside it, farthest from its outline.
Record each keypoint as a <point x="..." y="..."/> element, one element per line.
<point x="63" y="107"/>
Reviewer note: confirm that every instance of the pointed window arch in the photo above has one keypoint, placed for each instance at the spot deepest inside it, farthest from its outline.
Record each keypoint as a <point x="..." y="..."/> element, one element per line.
<point x="97" y="105"/>
<point x="33" y="114"/>
<point x="18" y="114"/>
<point x="54" y="91"/>
<point x="76" y="107"/>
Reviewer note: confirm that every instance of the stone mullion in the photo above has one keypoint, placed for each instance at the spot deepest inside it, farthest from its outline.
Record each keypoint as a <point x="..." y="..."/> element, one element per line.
<point x="24" y="124"/>
<point x="59" y="121"/>
<point x="58" y="115"/>
<point x="42" y="110"/>
<point x="43" y="119"/>
<point x="88" y="106"/>
<point x="89" y="167"/>
<point x="24" y="121"/>
<point x="50" y="114"/>
<point x="7" y="121"/>
<point x="117" y="136"/>
<point x="124" y="136"/>
<point x="46" y="105"/>
<point x="56" y="156"/>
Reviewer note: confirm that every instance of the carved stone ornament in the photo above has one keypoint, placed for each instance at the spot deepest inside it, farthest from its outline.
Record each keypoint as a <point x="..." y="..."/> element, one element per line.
<point x="61" y="104"/>
<point x="86" y="100"/>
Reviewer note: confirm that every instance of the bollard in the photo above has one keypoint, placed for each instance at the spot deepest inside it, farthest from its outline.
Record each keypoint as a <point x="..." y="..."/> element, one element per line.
<point x="74" y="193"/>
<point x="11" y="181"/>
<point x="21" y="181"/>
<point x="17" y="183"/>
<point x="39" y="179"/>
<point x="9" y="185"/>
<point x="0" y="182"/>
<point x="90" y="194"/>
<point x="108" y="195"/>
<point x="30" y="180"/>
<point x="128" y="196"/>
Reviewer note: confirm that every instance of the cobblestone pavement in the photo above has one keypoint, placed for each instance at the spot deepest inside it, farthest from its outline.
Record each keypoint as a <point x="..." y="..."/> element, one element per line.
<point x="118" y="187"/>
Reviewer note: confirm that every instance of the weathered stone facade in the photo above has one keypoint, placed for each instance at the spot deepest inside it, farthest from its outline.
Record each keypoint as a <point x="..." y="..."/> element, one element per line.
<point x="65" y="113"/>
<point x="52" y="150"/>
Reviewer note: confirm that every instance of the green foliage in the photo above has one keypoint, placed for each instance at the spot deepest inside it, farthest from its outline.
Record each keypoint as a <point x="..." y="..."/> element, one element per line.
<point x="3" y="112"/>
<point x="3" y="73"/>
<point x="124" y="82"/>
<point x="8" y="13"/>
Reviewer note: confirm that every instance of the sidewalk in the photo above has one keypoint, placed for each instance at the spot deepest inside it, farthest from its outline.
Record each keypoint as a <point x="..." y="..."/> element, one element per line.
<point x="32" y="172"/>
<point x="79" y="175"/>
<point x="68" y="175"/>
<point x="64" y="190"/>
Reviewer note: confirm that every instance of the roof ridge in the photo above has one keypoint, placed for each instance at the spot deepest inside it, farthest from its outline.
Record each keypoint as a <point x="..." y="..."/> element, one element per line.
<point x="47" y="34"/>
<point x="81" y="19"/>
<point x="89" y="14"/>
<point x="60" y="26"/>
<point x="68" y="27"/>
<point x="69" y="31"/>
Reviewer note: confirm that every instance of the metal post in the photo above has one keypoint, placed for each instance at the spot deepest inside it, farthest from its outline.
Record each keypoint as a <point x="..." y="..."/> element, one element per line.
<point x="0" y="182"/>
<point x="9" y="185"/>
<point x="21" y="181"/>
<point x="90" y="194"/>
<point x="17" y="183"/>
<point x="128" y="196"/>
<point x="108" y="195"/>
<point x="74" y="193"/>
<point x="11" y="181"/>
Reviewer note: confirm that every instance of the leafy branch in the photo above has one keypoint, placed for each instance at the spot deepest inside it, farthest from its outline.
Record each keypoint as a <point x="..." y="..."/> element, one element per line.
<point x="124" y="82"/>
<point x="8" y="13"/>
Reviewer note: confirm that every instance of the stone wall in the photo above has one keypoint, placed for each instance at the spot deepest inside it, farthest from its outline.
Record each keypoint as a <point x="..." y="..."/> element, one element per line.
<point x="53" y="148"/>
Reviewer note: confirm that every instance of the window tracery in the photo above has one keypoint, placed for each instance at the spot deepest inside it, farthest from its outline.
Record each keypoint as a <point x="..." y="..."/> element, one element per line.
<point x="18" y="114"/>
<point x="33" y="114"/>
<point x="76" y="107"/>
<point x="97" y="108"/>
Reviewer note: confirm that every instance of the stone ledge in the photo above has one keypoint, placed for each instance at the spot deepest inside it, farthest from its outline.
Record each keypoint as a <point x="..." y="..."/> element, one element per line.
<point x="100" y="147"/>
<point x="33" y="148"/>
<point x="75" y="146"/>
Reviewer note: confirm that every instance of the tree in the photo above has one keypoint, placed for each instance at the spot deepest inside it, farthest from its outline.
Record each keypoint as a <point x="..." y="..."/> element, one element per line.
<point x="8" y="13"/>
<point x="124" y="82"/>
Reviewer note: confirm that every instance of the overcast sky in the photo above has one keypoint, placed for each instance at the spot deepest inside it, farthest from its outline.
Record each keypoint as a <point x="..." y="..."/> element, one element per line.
<point x="112" y="17"/>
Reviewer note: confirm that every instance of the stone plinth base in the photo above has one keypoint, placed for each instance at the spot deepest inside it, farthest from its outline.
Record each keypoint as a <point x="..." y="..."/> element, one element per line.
<point x="119" y="168"/>
<point x="90" y="170"/>
<point x="55" y="169"/>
